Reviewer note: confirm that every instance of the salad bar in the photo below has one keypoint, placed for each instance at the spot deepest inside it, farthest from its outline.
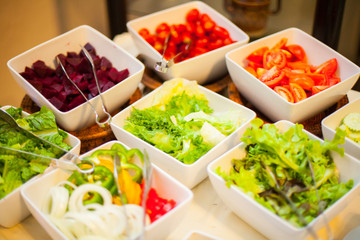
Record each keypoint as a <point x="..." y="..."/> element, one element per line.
<point x="262" y="143"/>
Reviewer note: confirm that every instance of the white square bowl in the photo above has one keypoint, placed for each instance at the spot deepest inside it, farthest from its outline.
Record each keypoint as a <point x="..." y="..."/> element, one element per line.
<point x="12" y="207"/>
<point x="261" y="218"/>
<point x="188" y="174"/>
<point x="272" y="104"/>
<point x="165" y="185"/>
<point x="333" y="121"/>
<point x="81" y="116"/>
<point x="203" y="68"/>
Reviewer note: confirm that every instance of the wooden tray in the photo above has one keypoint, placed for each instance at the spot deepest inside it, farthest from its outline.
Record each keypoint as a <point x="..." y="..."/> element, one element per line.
<point x="94" y="136"/>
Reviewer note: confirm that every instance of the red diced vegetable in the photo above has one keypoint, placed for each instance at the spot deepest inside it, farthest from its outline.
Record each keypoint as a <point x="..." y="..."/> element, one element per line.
<point x="54" y="85"/>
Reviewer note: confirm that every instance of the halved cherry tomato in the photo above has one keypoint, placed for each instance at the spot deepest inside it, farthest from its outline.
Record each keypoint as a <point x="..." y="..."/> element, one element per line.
<point x="272" y="77"/>
<point x="317" y="89"/>
<point x="144" y="32"/>
<point x="204" y="17"/>
<point x="329" y="67"/>
<point x="162" y="27"/>
<point x="274" y="58"/>
<point x="280" y="44"/>
<point x="257" y="55"/>
<point x="221" y="32"/>
<point x="192" y="15"/>
<point x="208" y="25"/>
<point x="285" y="93"/>
<point x="303" y="81"/>
<point x="298" y="92"/>
<point x="297" y="51"/>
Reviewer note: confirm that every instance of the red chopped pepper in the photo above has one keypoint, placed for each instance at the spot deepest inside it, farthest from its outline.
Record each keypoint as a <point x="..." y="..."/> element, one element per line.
<point x="157" y="206"/>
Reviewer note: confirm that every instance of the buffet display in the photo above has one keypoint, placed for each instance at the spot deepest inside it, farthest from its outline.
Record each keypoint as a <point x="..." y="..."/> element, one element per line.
<point x="279" y="178"/>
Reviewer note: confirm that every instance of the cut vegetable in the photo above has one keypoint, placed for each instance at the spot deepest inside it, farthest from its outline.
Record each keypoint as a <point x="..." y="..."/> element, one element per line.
<point x="352" y="121"/>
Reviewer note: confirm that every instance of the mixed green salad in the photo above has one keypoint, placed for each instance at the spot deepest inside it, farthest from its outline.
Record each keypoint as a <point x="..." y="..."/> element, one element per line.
<point x="15" y="169"/>
<point x="180" y="121"/>
<point x="276" y="171"/>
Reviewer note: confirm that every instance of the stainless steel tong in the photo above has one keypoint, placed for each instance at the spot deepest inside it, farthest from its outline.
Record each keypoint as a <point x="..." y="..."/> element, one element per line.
<point x="107" y="120"/>
<point x="164" y="64"/>
<point x="68" y="160"/>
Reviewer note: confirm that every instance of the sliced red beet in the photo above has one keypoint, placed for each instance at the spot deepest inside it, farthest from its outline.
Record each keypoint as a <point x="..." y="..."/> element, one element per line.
<point x="49" y="92"/>
<point x="57" y="102"/>
<point x="40" y="68"/>
<point x="54" y="85"/>
<point x="105" y="64"/>
<point x="93" y="88"/>
<point x="28" y="73"/>
<point x="122" y="75"/>
<point x="57" y="87"/>
<point x="74" y="61"/>
<point x="107" y="86"/>
<point x="76" y="101"/>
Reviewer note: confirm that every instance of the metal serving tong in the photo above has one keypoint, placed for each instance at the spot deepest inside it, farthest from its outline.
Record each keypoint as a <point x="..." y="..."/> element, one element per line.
<point x="69" y="160"/>
<point x="107" y="121"/>
<point x="164" y="64"/>
<point x="117" y="172"/>
<point x="278" y="189"/>
<point x="147" y="175"/>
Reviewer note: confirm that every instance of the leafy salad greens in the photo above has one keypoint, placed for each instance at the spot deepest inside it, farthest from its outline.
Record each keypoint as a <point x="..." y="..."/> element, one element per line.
<point x="285" y="156"/>
<point x="16" y="169"/>
<point x="180" y="121"/>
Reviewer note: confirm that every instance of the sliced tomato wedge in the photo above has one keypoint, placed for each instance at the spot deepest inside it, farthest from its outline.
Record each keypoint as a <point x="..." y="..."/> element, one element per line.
<point x="297" y="51"/>
<point x="319" y="79"/>
<point x="274" y="58"/>
<point x="303" y="81"/>
<point x="329" y="67"/>
<point x="260" y="71"/>
<point x="317" y="89"/>
<point x="298" y="92"/>
<point x="285" y="93"/>
<point x="280" y="44"/>
<point x="298" y="65"/>
<point x="257" y="55"/>
<point x="333" y="80"/>
<point x="272" y="77"/>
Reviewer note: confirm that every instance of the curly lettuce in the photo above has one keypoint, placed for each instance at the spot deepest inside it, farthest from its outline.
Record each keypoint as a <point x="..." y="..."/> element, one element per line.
<point x="16" y="169"/>
<point x="180" y="122"/>
<point x="279" y="163"/>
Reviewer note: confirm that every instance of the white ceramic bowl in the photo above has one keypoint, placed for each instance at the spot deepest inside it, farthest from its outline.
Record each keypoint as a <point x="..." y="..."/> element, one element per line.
<point x="203" y="68"/>
<point x="83" y="115"/>
<point x="331" y="122"/>
<point x="262" y="219"/>
<point x="12" y="206"/>
<point x="165" y="185"/>
<point x="272" y="104"/>
<point x="188" y="174"/>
